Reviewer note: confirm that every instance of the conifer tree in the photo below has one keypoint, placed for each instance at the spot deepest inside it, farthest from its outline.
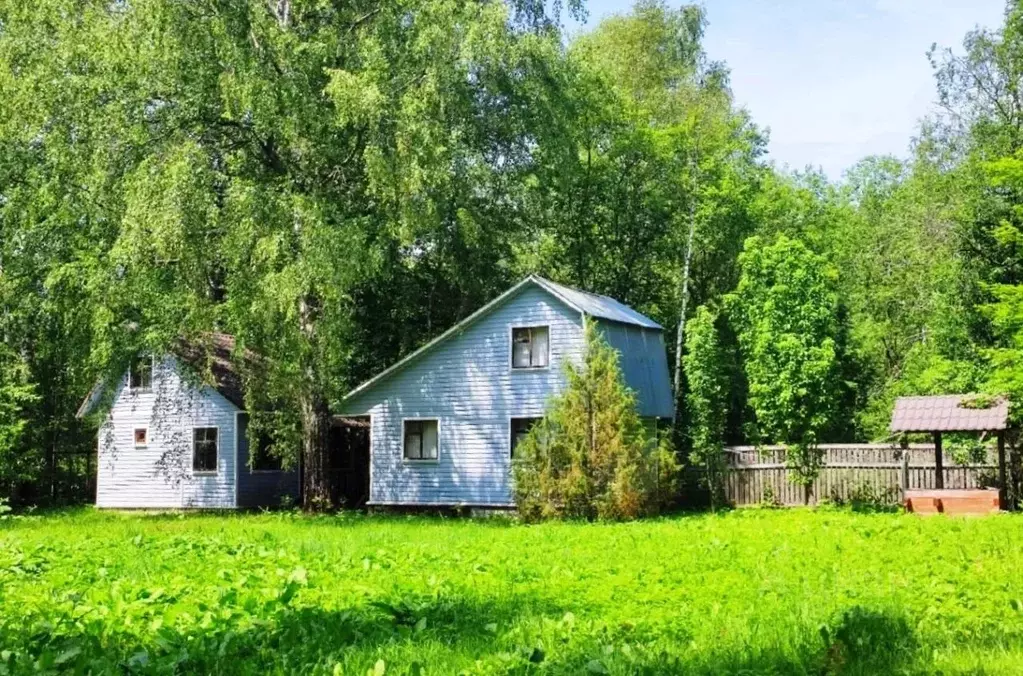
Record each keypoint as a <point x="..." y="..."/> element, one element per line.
<point x="591" y="456"/>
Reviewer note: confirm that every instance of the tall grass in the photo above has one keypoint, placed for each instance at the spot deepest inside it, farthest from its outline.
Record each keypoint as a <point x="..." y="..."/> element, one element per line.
<point x="758" y="592"/>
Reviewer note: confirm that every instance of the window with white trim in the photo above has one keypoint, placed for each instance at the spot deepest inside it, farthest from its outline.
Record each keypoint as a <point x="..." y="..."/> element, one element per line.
<point x="520" y="428"/>
<point x="530" y="347"/>
<point x="141" y="436"/>
<point x="140" y="374"/>
<point x="421" y="439"/>
<point x="204" y="449"/>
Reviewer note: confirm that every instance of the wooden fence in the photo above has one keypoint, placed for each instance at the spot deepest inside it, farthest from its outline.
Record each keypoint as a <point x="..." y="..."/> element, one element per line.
<point x="851" y="471"/>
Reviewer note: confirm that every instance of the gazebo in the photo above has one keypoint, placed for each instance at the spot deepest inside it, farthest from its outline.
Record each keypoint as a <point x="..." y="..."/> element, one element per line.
<point x="954" y="413"/>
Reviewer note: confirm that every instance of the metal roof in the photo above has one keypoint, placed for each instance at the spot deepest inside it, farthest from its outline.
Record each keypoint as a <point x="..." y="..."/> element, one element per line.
<point x="595" y="305"/>
<point x="946" y="413"/>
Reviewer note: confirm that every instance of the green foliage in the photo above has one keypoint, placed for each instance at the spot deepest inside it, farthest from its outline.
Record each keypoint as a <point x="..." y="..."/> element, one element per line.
<point x="785" y="308"/>
<point x="979" y="401"/>
<point x="322" y="595"/>
<point x="591" y="456"/>
<point x="17" y="394"/>
<point x="706" y="398"/>
<point x="965" y="449"/>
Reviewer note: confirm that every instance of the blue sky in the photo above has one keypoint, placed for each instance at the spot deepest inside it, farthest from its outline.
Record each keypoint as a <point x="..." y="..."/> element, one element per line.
<point x="834" y="81"/>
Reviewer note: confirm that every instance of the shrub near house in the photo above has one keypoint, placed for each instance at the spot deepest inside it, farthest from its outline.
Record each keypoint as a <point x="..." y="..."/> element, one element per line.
<point x="591" y="456"/>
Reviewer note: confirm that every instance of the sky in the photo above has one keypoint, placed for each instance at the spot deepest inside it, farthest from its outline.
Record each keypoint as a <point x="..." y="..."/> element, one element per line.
<point x="833" y="81"/>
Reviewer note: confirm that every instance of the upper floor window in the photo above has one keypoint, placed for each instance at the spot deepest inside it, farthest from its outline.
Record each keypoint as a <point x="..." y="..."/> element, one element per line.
<point x="530" y="347"/>
<point x="140" y="374"/>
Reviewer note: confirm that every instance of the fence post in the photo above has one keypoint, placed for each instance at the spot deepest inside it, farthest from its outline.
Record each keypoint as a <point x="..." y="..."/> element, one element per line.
<point x="904" y="474"/>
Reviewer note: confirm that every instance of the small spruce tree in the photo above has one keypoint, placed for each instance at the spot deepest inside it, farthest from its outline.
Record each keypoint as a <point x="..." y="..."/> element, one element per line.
<point x="591" y="456"/>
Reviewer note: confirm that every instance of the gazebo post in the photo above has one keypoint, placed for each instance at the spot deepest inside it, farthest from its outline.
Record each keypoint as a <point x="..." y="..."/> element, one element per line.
<point x="1002" y="492"/>
<point x="939" y="469"/>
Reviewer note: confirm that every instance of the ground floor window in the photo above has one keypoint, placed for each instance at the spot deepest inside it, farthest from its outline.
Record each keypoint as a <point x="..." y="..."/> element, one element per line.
<point x="421" y="439"/>
<point x="204" y="449"/>
<point x="520" y="427"/>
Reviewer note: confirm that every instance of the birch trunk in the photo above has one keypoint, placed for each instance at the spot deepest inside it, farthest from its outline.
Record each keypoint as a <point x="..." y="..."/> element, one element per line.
<point x="315" y="419"/>
<point x="685" y="290"/>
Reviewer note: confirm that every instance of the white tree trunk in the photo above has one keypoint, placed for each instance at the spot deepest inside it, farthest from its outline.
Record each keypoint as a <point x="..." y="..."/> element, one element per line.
<point x="679" y="339"/>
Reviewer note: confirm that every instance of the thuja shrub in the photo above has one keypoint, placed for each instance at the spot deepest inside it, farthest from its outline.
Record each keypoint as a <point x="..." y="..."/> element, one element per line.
<point x="592" y="456"/>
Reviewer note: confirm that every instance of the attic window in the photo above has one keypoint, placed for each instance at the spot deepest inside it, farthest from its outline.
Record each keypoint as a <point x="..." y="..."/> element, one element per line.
<point x="141" y="436"/>
<point x="140" y="374"/>
<point x="530" y="347"/>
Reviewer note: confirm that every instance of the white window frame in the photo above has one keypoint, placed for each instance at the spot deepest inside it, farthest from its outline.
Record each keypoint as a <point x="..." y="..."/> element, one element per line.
<point x="511" y="421"/>
<point x="134" y="439"/>
<point x="420" y="461"/>
<point x="511" y="348"/>
<point x="197" y="472"/>
<point x="152" y="375"/>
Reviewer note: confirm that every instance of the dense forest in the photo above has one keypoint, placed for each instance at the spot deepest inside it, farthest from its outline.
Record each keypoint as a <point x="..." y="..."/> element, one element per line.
<point x="335" y="183"/>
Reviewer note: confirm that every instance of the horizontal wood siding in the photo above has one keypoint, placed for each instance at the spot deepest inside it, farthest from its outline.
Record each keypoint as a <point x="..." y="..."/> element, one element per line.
<point x="850" y="471"/>
<point x="644" y="366"/>
<point x="160" y="475"/>
<point x="467" y="383"/>
<point x="261" y="488"/>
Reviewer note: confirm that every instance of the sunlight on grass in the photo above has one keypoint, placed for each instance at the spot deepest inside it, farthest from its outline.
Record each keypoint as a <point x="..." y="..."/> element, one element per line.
<point x="752" y="591"/>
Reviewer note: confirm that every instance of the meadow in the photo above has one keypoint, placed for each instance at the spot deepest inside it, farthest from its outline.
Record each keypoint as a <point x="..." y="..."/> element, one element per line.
<point x="752" y="591"/>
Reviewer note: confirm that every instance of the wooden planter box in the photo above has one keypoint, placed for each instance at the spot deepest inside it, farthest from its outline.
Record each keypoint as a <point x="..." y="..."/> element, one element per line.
<point x="970" y="501"/>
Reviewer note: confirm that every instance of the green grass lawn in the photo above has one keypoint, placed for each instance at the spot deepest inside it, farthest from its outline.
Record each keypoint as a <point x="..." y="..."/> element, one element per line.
<point x="742" y="592"/>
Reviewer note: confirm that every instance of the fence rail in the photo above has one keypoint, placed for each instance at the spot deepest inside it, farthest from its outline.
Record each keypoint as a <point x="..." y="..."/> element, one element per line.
<point x="851" y="471"/>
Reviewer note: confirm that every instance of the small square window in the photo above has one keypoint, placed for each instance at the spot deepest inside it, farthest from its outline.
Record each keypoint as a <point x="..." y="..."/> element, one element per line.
<point x="141" y="436"/>
<point x="520" y="427"/>
<point x="204" y="449"/>
<point x="421" y="440"/>
<point x="530" y="347"/>
<point x="140" y="375"/>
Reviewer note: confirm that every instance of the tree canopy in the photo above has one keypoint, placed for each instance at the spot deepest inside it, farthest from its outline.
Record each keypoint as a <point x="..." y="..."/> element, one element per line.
<point x="336" y="183"/>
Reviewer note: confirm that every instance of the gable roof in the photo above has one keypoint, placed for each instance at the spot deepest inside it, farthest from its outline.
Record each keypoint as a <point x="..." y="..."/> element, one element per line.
<point x="947" y="413"/>
<point x="594" y="305"/>
<point x="212" y="355"/>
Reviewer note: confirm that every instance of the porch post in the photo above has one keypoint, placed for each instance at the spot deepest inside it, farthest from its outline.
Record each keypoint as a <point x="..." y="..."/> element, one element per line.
<point x="939" y="469"/>
<point x="1003" y="494"/>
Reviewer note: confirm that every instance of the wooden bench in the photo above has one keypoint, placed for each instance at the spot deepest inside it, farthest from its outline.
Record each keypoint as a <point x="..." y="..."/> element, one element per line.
<point x="968" y="501"/>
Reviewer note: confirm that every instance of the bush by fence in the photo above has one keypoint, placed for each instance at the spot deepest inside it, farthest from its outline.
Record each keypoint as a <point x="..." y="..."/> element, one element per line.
<point x="851" y="472"/>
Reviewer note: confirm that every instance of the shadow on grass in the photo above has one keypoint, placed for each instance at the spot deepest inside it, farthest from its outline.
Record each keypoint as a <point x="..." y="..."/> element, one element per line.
<point x="859" y="642"/>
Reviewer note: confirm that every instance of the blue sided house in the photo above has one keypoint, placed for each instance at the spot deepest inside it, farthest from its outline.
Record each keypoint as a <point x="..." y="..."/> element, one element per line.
<point x="444" y="421"/>
<point x="170" y="442"/>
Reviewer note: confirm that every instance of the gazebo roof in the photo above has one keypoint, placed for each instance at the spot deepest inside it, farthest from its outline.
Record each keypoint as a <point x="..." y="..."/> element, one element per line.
<point x="946" y="413"/>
